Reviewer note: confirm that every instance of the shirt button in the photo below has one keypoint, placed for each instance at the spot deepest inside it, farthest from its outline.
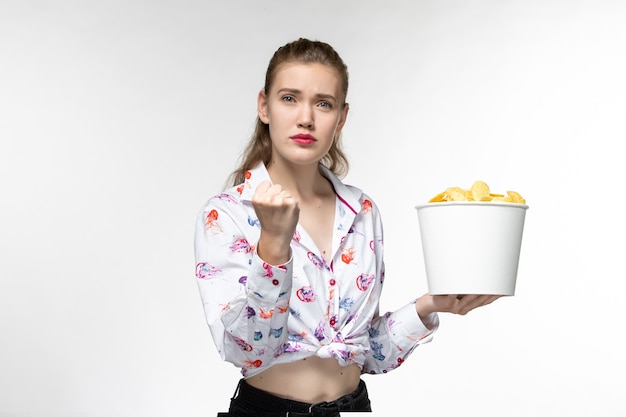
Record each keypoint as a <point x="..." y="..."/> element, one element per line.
<point x="332" y="281"/>
<point x="275" y="282"/>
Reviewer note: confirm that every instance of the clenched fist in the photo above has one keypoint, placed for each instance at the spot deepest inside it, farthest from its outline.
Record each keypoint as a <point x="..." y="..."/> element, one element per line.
<point x="277" y="211"/>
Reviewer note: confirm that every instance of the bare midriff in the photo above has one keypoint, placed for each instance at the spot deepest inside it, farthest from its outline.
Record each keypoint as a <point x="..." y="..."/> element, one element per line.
<point x="309" y="380"/>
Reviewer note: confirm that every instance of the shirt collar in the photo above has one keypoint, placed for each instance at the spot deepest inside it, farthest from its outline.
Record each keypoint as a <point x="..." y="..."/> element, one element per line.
<point x="350" y="196"/>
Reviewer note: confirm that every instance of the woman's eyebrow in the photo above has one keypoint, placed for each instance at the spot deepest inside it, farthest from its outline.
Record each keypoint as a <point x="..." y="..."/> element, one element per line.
<point x="296" y="92"/>
<point x="326" y="96"/>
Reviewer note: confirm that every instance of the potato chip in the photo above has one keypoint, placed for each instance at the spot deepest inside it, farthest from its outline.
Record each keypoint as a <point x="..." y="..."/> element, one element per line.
<point x="516" y="197"/>
<point x="478" y="192"/>
<point x="438" y="198"/>
<point x="456" y="194"/>
<point x="501" y="198"/>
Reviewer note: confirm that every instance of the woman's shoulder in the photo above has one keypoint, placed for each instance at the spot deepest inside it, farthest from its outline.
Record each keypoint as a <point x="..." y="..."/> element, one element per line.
<point x="228" y="200"/>
<point x="229" y="197"/>
<point x="227" y="210"/>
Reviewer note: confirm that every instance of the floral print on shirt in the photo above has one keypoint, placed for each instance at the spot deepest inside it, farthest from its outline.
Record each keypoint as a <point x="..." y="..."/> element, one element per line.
<point x="261" y="314"/>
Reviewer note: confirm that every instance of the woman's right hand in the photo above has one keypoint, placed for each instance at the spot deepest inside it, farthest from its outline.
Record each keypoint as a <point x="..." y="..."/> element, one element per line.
<point x="277" y="211"/>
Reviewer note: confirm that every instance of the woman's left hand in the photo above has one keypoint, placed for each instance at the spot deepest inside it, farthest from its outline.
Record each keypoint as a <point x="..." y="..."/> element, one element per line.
<point x="456" y="304"/>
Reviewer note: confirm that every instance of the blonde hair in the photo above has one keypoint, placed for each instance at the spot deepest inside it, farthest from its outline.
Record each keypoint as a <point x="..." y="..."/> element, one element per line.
<point x="259" y="148"/>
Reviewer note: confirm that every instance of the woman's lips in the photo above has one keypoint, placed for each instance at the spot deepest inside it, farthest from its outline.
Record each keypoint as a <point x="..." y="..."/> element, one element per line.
<point x="303" y="139"/>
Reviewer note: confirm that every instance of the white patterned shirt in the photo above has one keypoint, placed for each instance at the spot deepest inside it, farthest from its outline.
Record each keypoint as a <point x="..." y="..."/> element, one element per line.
<point x="260" y="314"/>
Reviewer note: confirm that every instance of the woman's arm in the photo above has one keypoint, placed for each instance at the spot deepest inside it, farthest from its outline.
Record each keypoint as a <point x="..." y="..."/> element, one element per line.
<point x="246" y="300"/>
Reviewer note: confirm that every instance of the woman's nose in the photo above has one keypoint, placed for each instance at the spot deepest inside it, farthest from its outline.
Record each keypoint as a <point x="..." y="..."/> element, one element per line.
<point x="305" y="119"/>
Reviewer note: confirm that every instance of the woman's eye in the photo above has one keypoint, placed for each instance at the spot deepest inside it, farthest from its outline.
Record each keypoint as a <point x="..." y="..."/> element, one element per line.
<point x="326" y="105"/>
<point x="288" y="99"/>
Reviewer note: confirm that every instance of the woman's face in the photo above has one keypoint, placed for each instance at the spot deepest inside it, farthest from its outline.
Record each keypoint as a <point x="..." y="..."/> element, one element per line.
<point x="305" y="110"/>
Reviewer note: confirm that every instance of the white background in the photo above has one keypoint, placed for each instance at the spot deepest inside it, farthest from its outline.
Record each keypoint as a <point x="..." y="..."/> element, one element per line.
<point x="118" y="119"/>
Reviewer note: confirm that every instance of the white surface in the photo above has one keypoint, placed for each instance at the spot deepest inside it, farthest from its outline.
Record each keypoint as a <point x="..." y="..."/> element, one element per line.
<point x="119" y="118"/>
<point x="471" y="248"/>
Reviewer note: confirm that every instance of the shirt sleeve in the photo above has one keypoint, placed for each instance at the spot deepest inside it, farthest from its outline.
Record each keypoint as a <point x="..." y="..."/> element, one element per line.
<point x="394" y="335"/>
<point x="246" y="301"/>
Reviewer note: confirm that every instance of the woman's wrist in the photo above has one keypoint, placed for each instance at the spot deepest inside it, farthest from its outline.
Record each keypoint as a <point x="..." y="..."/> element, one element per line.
<point x="273" y="252"/>
<point x="424" y="306"/>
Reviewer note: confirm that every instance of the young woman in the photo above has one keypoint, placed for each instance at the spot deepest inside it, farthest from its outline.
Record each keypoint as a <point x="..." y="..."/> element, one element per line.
<point x="289" y="260"/>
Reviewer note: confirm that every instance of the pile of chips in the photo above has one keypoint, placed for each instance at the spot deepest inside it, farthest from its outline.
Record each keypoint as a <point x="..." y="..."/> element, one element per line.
<point x="479" y="192"/>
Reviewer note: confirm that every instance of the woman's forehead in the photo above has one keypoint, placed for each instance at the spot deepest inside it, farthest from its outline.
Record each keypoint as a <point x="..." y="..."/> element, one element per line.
<point x="310" y="76"/>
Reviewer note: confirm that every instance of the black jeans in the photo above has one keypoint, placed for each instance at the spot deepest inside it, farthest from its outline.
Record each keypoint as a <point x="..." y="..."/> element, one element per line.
<point x="252" y="402"/>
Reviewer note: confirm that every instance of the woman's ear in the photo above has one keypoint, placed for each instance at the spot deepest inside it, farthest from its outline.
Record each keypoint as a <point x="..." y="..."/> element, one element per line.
<point x="343" y="117"/>
<point x="262" y="108"/>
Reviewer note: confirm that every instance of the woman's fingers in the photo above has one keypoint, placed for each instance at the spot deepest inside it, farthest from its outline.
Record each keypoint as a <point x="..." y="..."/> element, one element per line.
<point x="278" y="212"/>
<point x="273" y="196"/>
<point x="462" y="303"/>
<point x="467" y="303"/>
